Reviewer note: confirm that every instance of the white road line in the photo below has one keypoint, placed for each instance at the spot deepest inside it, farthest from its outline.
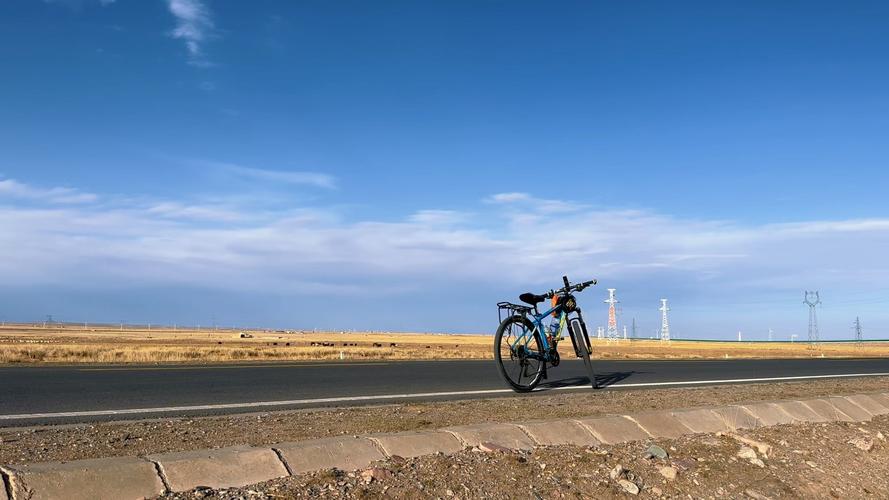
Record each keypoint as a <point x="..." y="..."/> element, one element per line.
<point x="347" y="399"/>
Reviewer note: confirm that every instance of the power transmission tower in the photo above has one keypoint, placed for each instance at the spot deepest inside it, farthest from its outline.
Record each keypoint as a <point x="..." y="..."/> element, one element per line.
<point x="612" y="318"/>
<point x="857" y="327"/>
<point x="665" y="323"/>
<point x="813" y="299"/>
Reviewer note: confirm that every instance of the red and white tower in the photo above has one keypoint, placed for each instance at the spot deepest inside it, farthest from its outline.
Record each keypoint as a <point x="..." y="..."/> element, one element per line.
<point x="612" y="317"/>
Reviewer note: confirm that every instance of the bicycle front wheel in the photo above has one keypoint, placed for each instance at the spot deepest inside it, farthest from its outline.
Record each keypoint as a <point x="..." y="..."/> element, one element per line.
<point x="518" y="352"/>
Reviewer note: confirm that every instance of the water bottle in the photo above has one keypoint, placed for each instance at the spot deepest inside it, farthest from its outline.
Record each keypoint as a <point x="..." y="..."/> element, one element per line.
<point x="554" y="327"/>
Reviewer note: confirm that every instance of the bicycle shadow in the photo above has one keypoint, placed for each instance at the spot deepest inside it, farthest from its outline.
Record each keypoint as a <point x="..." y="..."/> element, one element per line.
<point x="602" y="379"/>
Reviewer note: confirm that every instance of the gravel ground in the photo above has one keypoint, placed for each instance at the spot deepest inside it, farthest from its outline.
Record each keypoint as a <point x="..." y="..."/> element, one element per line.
<point x="73" y="442"/>
<point x="835" y="460"/>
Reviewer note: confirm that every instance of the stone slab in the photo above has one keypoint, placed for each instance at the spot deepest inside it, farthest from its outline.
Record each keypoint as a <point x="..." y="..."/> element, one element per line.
<point x="703" y="420"/>
<point x="344" y="453"/>
<point x="737" y="417"/>
<point x="769" y="413"/>
<point x="560" y="432"/>
<point x="800" y="412"/>
<point x="883" y="399"/>
<point x="661" y="424"/>
<point x="507" y="435"/>
<point x="3" y="489"/>
<point x="849" y="408"/>
<point x="99" y="479"/>
<point x="869" y="403"/>
<point x="219" y="468"/>
<point x="828" y="411"/>
<point x="416" y="444"/>
<point x="614" y="430"/>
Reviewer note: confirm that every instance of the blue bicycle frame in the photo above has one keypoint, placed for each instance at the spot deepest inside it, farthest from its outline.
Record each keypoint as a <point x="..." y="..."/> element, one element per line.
<point x="537" y="321"/>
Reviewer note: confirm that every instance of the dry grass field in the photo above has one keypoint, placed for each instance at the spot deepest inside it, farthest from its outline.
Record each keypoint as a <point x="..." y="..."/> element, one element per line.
<point x="76" y="344"/>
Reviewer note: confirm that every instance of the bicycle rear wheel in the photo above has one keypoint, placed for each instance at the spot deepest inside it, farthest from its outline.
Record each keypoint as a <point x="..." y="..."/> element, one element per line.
<point x="518" y="352"/>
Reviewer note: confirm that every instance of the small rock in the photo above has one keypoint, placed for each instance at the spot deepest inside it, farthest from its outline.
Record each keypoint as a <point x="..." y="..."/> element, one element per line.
<point x="668" y="472"/>
<point x="655" y="451"/>
<point x="629" y="486"/>
<point x="747" y="452"/>
<point x="755" y="495"/>
<point x="863" y="444"/>
<point x="757" y="462"/>
<point x="449" y="493"/>
<point x="616" y="472"/>
<point x="375" y="473"/>
<point x="763" y="448"/>
<point x="656" y="491"/>
<point x="880" y="436"/>
<point x="489" y="447"/>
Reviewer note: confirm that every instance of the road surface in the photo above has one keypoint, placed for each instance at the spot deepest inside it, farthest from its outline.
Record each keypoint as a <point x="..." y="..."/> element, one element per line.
<point x="62" y="394"/>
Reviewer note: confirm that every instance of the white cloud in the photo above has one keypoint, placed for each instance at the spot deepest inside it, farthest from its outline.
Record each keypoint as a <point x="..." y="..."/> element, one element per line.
<point x="236" y="247"/>
<point x="193" y="26"/>
<point x="276" y="176"/>
<point x="539" y="204"/>
<point x="10" y="188"/>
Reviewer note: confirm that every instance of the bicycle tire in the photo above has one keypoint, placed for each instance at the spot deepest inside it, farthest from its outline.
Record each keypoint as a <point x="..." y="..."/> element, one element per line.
<point x="499" y="350"/>
<point x="585" y="354"/>
<point x="582" y="347"/>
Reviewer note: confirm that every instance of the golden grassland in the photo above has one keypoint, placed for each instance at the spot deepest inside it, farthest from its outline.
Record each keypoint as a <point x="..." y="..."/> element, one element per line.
<point x="75" y="344"/>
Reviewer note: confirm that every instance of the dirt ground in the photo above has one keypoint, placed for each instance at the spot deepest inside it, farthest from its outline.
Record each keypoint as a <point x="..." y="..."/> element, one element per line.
<point x="73" y="442"/>
<point x="32" y="344"/>
<point x="835" y="460"/>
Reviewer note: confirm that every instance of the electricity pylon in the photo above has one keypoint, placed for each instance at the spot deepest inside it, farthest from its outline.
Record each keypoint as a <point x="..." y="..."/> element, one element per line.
<point x="665" y="323"/>
<point x="857" y="327"/>
<point x="612" y="317"/>
<point x="813" y="299"/>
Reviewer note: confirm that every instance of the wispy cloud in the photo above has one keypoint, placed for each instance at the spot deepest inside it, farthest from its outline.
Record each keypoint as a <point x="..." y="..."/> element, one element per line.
<point x="540" y="204"/>
<point x="194" y="26"/>
<point x="277" y="176"/>
<point x="57" y="238"/>
<point x="10" y="188"/>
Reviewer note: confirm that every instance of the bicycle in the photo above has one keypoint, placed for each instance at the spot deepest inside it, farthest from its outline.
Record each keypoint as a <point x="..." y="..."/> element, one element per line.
<point x="523" y="345"/>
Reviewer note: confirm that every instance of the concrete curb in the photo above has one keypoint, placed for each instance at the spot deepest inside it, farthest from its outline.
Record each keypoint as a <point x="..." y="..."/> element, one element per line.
<point x="4" y="486"/>
<point x="344" y="453"/>
<point x="416" y="444"/>
<point x="506" y="435"/>
<point x="219" y="468"/>
<point x="660" y="424"/>
<point x="133" y="477"/>
<point x="614" y="430"/>
<point x="118" y="477"/>
<point x="556" y="432"/>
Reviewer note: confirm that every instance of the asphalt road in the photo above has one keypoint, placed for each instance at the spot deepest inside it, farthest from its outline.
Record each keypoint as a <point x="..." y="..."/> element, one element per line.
<point x="62" y="394"/>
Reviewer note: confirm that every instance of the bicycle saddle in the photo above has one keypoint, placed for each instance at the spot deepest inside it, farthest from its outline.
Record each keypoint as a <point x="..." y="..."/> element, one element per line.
<point x="532" y="298"/>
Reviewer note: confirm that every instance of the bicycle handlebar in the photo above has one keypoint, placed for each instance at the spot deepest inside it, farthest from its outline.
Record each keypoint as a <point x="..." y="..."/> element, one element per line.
<point x="568" y="288"/>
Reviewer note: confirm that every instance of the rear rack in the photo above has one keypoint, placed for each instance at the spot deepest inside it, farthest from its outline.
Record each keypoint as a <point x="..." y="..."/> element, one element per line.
<point x="507" y="309"/>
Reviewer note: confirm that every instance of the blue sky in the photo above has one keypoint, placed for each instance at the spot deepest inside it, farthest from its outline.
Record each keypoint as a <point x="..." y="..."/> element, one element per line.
<point x="405" y="165"/>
